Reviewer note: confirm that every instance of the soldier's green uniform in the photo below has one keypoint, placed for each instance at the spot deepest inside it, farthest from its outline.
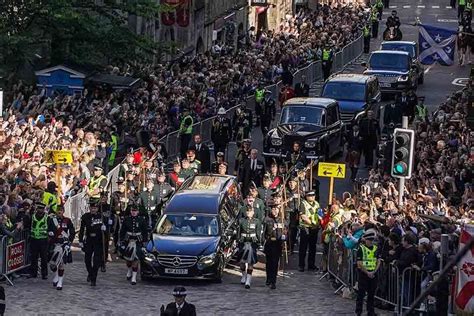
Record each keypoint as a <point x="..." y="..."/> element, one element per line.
<point x="248" y="236"/>
<point x="186" y="173"/>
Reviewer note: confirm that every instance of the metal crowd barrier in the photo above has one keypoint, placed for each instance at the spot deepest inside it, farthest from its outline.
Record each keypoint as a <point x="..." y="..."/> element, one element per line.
<point x="15" y="254"/>
<point x="395" y="290"/>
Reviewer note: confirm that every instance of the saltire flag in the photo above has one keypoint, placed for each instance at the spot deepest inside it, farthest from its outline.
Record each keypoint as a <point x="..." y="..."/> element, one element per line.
<point x="465" y="273"/>
<point x="436" y="45"/>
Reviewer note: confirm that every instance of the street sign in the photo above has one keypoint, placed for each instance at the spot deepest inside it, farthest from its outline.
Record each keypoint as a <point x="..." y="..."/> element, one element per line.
<point x="58" y="156"/>
<point x="332" y="170"/>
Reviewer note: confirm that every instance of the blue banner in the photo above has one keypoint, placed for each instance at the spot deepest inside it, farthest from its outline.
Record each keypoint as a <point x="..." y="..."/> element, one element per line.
<point x="436" y="45"/>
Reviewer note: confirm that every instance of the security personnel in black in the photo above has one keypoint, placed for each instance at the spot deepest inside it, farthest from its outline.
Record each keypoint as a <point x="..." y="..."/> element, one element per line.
<point x="215" y="164"/>
<point x="221" y="132"/>
<point x="374" y="18"/>
<point x="275" y="236"/>
<point x="296" y="157"/>
<point x="39" y="241"/>
<point x="149" y="201"/>
<point x="393" y="20"/>
<point x="368" y="262"/>
<point x="134" y="235"/>
<point x="293" y="200"/>
<point x="242" y="155"/>
<point x="242" y="123"/>
<point x="268" y="112"/>
<point x="119" y="201"/>
<point x="91" y="241"/>
<point x="302" y="88"/>
<point x="309" y="226"/>
<point x="327" y="58"/>
<point x="366" y="33"/>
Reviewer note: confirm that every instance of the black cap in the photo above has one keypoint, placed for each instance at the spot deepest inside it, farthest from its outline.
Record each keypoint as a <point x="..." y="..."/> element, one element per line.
<point x="220" y="154"/>
<point x="40" y="206"/>
<point x="310" y="193"/>
<point x="98" y="167"/>
<point x="179" y="291"/>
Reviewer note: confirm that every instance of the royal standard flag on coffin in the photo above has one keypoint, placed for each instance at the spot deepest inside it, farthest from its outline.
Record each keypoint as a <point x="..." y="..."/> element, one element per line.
<point x="436" y="45"/>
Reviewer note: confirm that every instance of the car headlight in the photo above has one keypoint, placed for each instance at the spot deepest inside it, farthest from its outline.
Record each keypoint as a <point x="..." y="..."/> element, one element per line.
<point x="149" y="257"/>
<point x="277" y="141"/>
<point x="403" y="78"/>
<point x="208" y="260"/>
<point x="310" y="143"/>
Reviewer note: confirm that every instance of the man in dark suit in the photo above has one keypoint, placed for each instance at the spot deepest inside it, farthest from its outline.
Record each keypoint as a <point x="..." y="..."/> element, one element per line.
<point x="354" y="146"/>
<point x="392" y="114"/>
<point x="202" y="153"/>
<point x="252" y="171"/>
<point x="370" y="132"/>
<point x="302" y="88"/>
<point x="179" y="307"/>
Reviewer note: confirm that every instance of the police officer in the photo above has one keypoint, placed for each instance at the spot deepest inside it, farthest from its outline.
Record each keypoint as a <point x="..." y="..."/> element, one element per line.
<point x="275" y="235"/>
<point x="215" y="164"/>
<point x="379" y="5"/>
<point x="179" y="307"/>
<point x="185" y="131"/>
<point x="97" y="183"/>
<point x="221" y="132"/>
<point x="309" y="226"/>
<point x="242" y="124"/>
<point x="39" y="241"/>
<point x="368" y="262"/>
<point x="91" y="240"/>
<point x="327" y="58"/>
<point x="421" y="111"/>
<point x="461" y="7"/>
<point x="259" y="96"/>
<point x="61" y="231"/>
<point x="248" y="236"/>
<point x="268" y="108"/>
<point x="366" y="34"/>
<point x="393" y="20"/>
<point x="50" y="198"/>
<point x="134" y="234"/>
<point x="375" y="22"/>
<point x="148" y="202"/>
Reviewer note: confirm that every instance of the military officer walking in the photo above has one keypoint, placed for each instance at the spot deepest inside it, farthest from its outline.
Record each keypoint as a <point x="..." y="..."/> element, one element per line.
<point x="275" y="236"/>
<point x="248" y="236"/>
<point x="148" y="202"/>
<point x="134" y="234"/>
<point x="91" y="241"/>
<point x="309" y="225"/>
<point x="221" y="132"/>
<point x="268" y="112"/>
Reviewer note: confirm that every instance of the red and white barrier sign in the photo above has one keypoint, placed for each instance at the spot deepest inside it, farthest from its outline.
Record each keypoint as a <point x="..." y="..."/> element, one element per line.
<point x="465" y="275"/>
<point x="15" y="256"/>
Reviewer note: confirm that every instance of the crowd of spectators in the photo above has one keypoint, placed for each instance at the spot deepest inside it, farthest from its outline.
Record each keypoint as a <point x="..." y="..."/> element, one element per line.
<point x="438" y="199"/>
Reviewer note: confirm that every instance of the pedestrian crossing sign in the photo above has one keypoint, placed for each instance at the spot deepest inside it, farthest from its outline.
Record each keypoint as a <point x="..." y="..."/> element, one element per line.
<point x="332" y="170"/>
<point x="58" y="156"/>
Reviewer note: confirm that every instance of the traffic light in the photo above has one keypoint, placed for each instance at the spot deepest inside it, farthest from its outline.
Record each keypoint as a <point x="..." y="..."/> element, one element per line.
<point x="403" y="148"/>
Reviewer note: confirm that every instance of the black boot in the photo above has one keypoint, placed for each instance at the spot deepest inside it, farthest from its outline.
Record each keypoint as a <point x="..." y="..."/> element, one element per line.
<point x="273" y="286"/>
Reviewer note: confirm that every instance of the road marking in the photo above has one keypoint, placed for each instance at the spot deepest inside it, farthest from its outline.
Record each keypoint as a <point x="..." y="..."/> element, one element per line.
<point x="406" y="6"/>
<point x="428" y="69"/>
<point x="393" y="7"/>
<point x="421" y="6"/>
<point x="449" y="7"/>
<point x="435" y="7"/>
<point x="460" y="81"/>
<point x="386" y="13"/>
<point x="448" y="21"/>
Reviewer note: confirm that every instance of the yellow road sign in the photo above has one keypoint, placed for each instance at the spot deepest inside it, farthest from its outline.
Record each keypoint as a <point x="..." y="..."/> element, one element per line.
<point x="58" y="156"/>
<point x="331" y="170"/>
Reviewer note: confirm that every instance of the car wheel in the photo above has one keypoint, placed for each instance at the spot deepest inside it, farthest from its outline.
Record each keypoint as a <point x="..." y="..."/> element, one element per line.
<point x="421" y="79"/>
<point x="220" y="272"/>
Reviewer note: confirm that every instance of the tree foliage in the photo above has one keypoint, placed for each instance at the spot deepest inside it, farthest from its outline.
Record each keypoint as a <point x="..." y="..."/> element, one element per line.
<point x="79" y="31"/>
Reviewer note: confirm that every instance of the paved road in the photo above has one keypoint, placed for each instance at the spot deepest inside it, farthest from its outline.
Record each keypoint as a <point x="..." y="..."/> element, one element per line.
<point x="297" y="293"/>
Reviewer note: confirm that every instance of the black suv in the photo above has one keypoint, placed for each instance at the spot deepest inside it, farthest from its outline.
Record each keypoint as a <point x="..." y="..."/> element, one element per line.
<point x="313" y="122"/>
<point x="196" y="235"/>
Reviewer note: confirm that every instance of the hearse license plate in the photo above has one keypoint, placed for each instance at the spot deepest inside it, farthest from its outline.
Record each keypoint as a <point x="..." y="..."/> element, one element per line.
<point x="385" y="84"/>
<point x="176" y="271"/>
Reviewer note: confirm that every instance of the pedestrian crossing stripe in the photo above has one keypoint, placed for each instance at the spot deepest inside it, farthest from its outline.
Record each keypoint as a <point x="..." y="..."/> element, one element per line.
<point x="449" y="7"/>
<point x="393" y="7"/>
<point x="406" y="6"/>
<point x="435" y="7"/>
<point x="421" y="6"/>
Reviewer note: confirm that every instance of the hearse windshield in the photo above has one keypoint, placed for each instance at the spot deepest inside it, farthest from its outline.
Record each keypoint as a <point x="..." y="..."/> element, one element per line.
<point x="192" y="225"/>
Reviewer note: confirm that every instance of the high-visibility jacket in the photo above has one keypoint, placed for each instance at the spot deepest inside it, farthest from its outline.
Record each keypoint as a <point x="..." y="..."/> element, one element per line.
<point x="462" y="2"/>
<point x="366" y="31"/>
<point x="468" y="6"/>
<point x="183" y="129"/>
<point x="421" y="111"/>
<point x="113" y="147"/>
<point x="50" y="200"/>
<point x="95" y="183"/>
<point x="312" y="212"/>
<point x="379" y="4"/>
<point x="39" y="227"/>
<point x="326" y="54"/>
<point x="369" y="260"/>
<point x="259" y="95"/>
<point x="374" y="16"/>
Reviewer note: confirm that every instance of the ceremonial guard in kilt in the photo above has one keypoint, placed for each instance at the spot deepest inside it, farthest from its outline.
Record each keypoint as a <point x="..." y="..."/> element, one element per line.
<point x="91" y="240"/>
<point x="134" y="235"/>
<point x="309" y="225"/>
<point x="275" y="235"/>
<point x="61" y="232"/>
<point x="149" y="201"/>
<point x="265" y="192"/>
<point x="248" y="236"/>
